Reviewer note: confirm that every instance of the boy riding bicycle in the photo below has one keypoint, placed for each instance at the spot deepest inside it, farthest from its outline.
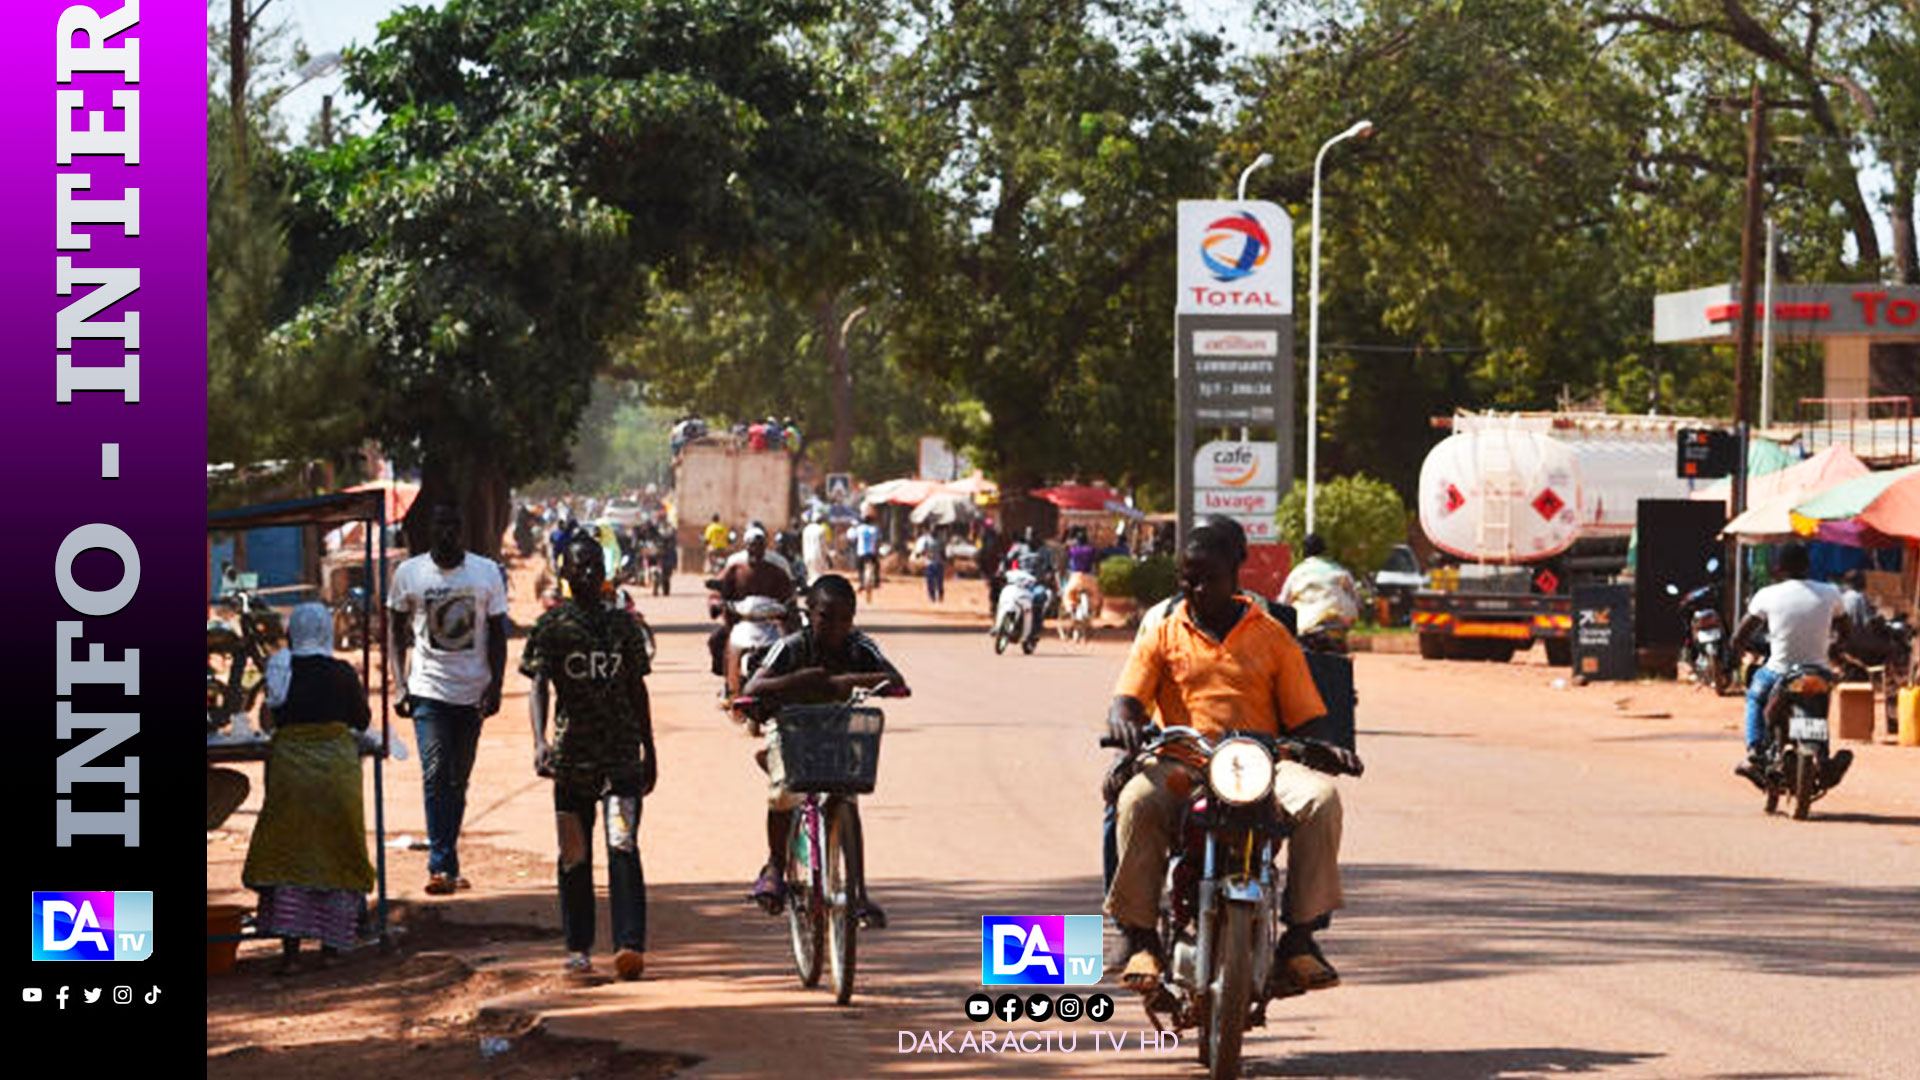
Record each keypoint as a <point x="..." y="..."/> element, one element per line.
<point x="824" y="663"/>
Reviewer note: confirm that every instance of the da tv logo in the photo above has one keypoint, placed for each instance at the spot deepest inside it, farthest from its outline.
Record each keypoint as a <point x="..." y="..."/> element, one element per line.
<point x="92" y="925"/>
<point x="1037" y="950"/>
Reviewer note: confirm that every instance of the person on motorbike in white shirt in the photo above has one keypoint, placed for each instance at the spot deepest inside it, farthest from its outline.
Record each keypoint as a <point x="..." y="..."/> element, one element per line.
<point x="1323" y="593"/>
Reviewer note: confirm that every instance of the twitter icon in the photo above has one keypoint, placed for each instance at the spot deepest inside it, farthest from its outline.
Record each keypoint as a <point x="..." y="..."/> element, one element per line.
<point x="91" y="995"/>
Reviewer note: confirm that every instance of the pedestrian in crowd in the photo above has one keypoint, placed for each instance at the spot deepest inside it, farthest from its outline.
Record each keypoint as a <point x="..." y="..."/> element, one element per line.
<point x="866" y="554"/>
<point x="931" y="548"/>
<point x="452" y="625"/>
<point x="815" y="541"/>
<point x="715" y="535"/>
<point x="308" y="855"/>
<point x="600" y="758"/>
<point x="988" y="556"/>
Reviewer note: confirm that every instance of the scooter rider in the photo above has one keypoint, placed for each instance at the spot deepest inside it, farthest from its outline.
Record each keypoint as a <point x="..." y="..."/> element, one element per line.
<point x="1219" y="663"/>
<point x="1801" y="619"/>
<point x="1033" y="557"/>
<point x="824" y="662"/>
<point x="757" y="576"/>
<point x="1323" y="593"/>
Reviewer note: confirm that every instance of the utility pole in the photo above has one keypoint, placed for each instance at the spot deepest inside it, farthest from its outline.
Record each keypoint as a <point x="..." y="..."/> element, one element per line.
<point x="1749" y="254"/>
<point x="326" y="121"/>
<point x="1743" y="360"/>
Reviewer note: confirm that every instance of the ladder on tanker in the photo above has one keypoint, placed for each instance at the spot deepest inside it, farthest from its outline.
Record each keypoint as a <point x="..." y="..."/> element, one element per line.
<point x="1499" y="483"/>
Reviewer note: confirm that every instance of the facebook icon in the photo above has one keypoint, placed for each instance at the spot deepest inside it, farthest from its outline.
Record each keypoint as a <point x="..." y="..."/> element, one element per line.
<point x="1034" y="950"/>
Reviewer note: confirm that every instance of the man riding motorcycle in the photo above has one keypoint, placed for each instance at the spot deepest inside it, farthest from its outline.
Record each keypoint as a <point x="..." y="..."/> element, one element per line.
<point x="1220" y="664"/>
<point x="1032" y="556"/>
<point x="1801" y="618"/>
<point x="756" y="576"/>
<point x="1322" y="591"/>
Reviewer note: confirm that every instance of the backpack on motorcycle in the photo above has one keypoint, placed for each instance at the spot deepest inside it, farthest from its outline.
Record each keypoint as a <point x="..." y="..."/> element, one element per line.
<point x="1333" y="677"/>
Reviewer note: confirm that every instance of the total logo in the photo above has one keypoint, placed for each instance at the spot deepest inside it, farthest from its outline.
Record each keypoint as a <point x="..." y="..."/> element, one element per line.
<point x="1028" y="950"/>
<point x="1235" y="247"/>
<point x="92" y="925"/>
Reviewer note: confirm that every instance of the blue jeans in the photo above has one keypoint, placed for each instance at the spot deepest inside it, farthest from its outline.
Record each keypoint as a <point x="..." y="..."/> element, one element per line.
<point x="449" y="735"/>
<point x="1757" y="693"/>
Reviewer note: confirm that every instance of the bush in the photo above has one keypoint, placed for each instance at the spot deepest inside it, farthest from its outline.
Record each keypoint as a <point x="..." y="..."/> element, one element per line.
<point x="1154" y="579"/>
<point x="1116" y="576"/>
<point x="1361" y="519"/>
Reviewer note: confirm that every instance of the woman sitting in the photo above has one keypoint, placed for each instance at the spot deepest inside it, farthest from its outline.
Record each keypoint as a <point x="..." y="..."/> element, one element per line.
<point x="308" y="858"/>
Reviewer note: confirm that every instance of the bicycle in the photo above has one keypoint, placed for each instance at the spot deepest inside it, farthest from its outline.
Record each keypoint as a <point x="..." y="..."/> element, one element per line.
<point x="1081" y="625"/>
<point x="826" y="754"/>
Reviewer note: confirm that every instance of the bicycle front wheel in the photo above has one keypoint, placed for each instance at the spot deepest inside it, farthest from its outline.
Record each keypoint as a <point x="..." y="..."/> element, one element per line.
<point x="806" y="925"/>
<point x="843" y="894"/>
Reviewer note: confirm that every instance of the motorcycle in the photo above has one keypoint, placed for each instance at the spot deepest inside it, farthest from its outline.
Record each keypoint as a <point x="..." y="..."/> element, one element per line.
<point x="1797" y="764"/>
<point x="1021" y="600"/>
<point x="1706" y="650"/>
<point x="1220" y="909"/>
<point x="1888" y="646"/>
<point x="244" y="644"/>
<point x="351" y="622"/>
<point x="761" y="623"/>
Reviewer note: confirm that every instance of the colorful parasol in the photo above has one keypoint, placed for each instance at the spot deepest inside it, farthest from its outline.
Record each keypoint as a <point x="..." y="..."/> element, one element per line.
<point x="1886" y="503"/>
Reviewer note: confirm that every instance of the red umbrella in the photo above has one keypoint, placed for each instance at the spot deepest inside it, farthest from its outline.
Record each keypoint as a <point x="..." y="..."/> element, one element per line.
<point x="1082" y="496"/>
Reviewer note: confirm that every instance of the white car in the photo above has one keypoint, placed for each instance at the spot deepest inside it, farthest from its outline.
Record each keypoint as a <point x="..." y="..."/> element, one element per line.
<point x="626" y="513"/>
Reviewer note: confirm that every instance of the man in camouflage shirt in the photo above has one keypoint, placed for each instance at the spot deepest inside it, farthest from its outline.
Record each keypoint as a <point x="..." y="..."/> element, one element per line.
<point x="593" y="656"/>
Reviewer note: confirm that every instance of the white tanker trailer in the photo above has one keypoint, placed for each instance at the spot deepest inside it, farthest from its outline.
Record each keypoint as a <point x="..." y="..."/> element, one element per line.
<point x="1531" y="504"/>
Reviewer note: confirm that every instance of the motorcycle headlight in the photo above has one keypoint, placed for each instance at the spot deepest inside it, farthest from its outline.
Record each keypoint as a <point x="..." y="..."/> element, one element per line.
<point x="1241" y="771"/>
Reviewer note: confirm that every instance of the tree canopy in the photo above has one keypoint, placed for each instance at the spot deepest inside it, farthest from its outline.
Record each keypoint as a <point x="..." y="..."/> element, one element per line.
<point x="696" y="195"/>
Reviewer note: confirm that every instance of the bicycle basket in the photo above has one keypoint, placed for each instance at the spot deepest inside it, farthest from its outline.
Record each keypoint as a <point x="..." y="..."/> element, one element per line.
<point x="826" y="748"/>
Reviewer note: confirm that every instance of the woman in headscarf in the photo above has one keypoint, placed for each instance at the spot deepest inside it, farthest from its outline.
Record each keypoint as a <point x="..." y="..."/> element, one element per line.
<point x="308" y="858"/>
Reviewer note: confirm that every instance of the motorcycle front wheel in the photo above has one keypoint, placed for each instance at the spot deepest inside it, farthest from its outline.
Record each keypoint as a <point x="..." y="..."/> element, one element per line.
<point x="1000" y="635"/>
<point x="1230" y="992"/>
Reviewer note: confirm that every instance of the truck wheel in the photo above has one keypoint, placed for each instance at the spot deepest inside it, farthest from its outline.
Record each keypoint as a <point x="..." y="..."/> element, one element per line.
<point x="1433" y="647"/>
<point x="1560" y="652"/>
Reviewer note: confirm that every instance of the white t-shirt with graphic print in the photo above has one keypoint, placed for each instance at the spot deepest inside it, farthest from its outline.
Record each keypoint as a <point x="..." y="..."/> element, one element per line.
<point x="449" y="610"/>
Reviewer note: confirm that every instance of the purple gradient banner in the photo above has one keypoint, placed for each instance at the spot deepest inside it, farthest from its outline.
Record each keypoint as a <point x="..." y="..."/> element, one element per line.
<point x="129" y="464"/>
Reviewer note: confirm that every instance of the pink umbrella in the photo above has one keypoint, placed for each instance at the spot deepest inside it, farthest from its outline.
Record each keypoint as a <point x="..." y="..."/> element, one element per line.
<point x="1826" y="469"/>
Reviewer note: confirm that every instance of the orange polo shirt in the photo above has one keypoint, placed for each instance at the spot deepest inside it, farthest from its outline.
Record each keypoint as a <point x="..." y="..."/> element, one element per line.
<point x="1255" y="680"/>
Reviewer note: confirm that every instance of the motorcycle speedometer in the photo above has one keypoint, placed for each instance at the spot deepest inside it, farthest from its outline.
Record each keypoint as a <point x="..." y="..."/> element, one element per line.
<point x="1241" y="771"/>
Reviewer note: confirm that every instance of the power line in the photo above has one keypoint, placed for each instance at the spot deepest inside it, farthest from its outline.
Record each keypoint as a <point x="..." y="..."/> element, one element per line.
<point x="1416" y="349"/>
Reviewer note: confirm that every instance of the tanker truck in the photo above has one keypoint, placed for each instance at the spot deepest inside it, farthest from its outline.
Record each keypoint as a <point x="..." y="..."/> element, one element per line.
<point x="1524" y="507"/>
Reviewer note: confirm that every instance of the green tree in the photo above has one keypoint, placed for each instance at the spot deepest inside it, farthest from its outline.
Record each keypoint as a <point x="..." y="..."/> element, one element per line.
<point x="1049" y="142"/>
<point x="540" y="165"/>
<point x="1360" y="518"/>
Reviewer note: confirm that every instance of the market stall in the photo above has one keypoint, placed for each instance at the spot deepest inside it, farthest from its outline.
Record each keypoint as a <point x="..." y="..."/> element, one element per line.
<point x="232" y="736"/>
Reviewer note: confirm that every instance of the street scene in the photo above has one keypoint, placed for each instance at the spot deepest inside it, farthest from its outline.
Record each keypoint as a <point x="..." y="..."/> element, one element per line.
<point x="1213" y="538"/>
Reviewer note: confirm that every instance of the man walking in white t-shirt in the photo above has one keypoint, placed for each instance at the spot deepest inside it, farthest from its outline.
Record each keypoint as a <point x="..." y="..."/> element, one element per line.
<point x="813" y="549"/>
<point x="455" y="628"/>
<point x="1800" y="619"/>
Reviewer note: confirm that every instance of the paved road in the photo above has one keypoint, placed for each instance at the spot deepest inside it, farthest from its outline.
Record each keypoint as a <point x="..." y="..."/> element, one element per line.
<point x="1539" y="883"/>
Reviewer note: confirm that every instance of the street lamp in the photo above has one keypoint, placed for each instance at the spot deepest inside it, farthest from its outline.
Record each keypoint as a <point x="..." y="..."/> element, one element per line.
<point x="1364" y="127"/>
<point x="1265" y="159"/>
<point x="1260" y="162"/>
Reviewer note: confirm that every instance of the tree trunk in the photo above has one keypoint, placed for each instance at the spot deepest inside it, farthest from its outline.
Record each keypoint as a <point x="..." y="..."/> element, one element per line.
<point x="841" y="458"/>
<point x="237" y="47"/>
<point x="1900" y="207"/>
<point x="484" y="498"/>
